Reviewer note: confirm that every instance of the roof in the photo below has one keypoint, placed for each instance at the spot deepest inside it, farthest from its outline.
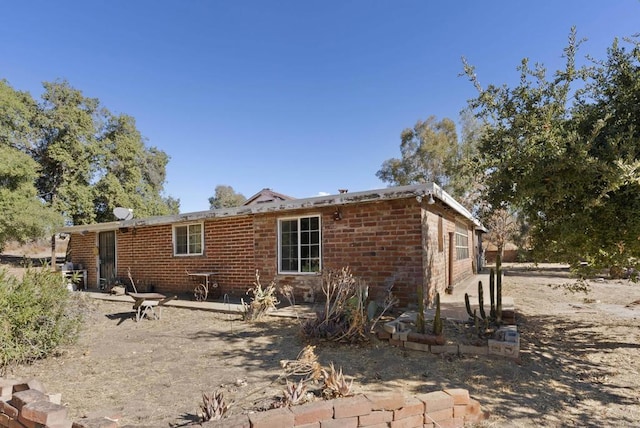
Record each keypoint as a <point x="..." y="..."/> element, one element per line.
<point x="267" y="195"/>
<point x="388" y="193"/>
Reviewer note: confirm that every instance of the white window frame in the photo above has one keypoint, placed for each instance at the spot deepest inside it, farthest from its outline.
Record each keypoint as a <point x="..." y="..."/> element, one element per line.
<point x="299" y="244"/>
<point x="462" y="241"/>
<point x="175" y="240"/>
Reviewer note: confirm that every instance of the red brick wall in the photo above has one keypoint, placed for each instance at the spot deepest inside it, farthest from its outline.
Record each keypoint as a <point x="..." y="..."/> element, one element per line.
<point x="384" y="243"/>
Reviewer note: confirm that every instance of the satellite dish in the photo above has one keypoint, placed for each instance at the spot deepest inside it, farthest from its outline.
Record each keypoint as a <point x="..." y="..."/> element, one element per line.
<point x="123" y="213"/>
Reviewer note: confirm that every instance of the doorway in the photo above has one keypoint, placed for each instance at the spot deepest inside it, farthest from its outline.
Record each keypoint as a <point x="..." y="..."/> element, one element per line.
<point x="107" y="257"/>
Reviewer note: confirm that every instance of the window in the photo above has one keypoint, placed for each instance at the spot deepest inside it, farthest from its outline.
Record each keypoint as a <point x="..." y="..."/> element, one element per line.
<point x="187" y="240"/>
<point x="462" y="242"/>
<point x="299" y="245"/>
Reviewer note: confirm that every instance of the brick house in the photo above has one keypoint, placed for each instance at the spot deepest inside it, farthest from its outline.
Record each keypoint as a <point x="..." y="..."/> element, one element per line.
<point x="405" y="237"/>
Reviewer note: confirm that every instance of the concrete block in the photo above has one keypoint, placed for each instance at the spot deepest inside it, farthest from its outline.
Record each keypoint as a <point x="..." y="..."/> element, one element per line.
<point x="460" y="395"/>
<point x="400" y="335"/>
<point x="437" y="400"/>
<point x="375" y="418"/>
<point x="6" y="387"/>
<point x="312" y="412"/>
<point x="383" y="335"/>
<point x="444" y="349"/>
<point x="416" y="346"/>
<point x="8" y="409"/>
<point x="398" y="343"/>
<point x="21" y="398"/>
<point x="386" y="401"/>
<point x="44" y="412"/>
<point x="408" y="422"/>
<point x="276" y="418"/>
<point x="340" y="423"/>
<point x="438" y="416"/>
<point x="4" y="420"/>
<point x="412" y="407"/>
<point x="351" y="406"/>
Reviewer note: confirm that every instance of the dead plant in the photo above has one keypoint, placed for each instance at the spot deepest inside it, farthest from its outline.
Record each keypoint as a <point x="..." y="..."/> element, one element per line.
<point x="264" y="300"/>
<point x="335" y="384"/>
<point x="295" y="393"/>
<point x="213" y="406"/>
<point x="344" y="317"/>
<point x="306" y="365"/>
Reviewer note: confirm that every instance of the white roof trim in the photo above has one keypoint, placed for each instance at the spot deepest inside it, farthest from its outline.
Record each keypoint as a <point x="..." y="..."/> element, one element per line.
<point x="388" y="193"/>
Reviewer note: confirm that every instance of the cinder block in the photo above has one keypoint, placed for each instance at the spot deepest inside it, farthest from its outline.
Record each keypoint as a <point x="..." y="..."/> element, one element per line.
<point x="4" y="420"/>
<point x="444" y="349"/>
<point x="400" y="335"/>
<point x="313" y="425"/>
<point x="416" y="346"/>
<point x="383" y="335"/>
<point x="351" y="406"/>
<point x="386" y="401"/>
<point x="473" y="350"/>
<point x="408" y="422"/>
<point x="473" y="413"/>
<point x="276" y="418"/>
<point x="340" y="423"/>
<point x="398" y="343"/>
<point x="460" y="395"/>
<point x="8" y="409"/>
<point x="451" y="423"/>
<point x="412" y="407"/>
<point x="434" y="401"/>
<point x="312" y="412"/>
<point x="55" y="398"/>
<point x="21" y="398"/>
<point x="439" y="415"/>
<point x="459" y="411"/>
<point x="44" y="412"/>
<point x="375" y="417"/>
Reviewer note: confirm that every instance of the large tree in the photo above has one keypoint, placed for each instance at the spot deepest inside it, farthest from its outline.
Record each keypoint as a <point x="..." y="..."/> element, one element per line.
<point x="87" y="161"/>
<point x="565" y="153"/>
<point x="226" y="197"/>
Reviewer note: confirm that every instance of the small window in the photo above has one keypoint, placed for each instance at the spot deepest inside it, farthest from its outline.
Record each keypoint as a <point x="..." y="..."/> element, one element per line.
<point x="187" y="240"/>
<point x="462" y="242"/>
<point x="299" y="247"/>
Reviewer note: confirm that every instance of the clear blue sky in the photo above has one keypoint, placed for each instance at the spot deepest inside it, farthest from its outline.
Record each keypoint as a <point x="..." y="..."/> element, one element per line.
<point x="299" y="96"/>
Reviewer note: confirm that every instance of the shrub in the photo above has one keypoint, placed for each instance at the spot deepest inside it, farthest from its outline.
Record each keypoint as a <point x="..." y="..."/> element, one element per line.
<point x="37" y="316"/>
<point x="263" y="300"/>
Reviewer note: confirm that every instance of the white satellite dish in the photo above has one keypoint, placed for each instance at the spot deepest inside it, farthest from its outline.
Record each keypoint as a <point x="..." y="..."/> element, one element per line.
<point x="123" y="213"/>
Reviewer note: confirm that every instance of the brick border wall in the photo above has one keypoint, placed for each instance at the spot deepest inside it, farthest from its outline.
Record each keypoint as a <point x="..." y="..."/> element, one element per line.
<point x="27" y="405"/>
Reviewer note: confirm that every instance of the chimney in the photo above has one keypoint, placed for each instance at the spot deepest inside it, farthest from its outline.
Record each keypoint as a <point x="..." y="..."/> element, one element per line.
<point x="343" y="190"/>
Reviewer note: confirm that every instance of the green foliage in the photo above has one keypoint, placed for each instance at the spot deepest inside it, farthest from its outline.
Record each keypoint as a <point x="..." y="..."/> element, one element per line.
<point x="37" y="315"/>
<point x="226" y="197"/>
<point x="564" y="152"/>
<point x="87" y="161"/>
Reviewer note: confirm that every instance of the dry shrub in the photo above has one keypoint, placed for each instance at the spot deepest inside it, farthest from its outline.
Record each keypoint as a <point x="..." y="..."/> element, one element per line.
<point x="345" y="316"/>
<point x="335" y="384"/>
<point x="263" y="300"/>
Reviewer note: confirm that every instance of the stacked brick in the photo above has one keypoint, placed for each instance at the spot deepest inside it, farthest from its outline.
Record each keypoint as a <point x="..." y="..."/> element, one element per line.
<point x="448" y="408"/>
<point x="28" y="405"/>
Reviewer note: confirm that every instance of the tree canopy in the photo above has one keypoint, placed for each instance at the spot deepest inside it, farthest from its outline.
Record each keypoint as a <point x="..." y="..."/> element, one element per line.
<point x="67" y="158"/>
<point x="226" y="197"/>
<point x="564" y="152"/>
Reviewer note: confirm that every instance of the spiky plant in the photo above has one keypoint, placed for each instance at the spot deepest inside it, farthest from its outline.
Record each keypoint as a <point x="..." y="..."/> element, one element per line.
<point x="213" y="406"/>
<point x="294" y="393"/>
<point x="264" y="300"/>
<point x="335" y="384"/>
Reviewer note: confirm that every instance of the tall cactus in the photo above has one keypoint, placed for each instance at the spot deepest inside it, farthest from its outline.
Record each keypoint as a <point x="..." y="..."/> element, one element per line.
<point x="492" y="294"/>
<point x="483" y="315"/>
<point x="468" y="305"/>
<point x="437" y="320"/>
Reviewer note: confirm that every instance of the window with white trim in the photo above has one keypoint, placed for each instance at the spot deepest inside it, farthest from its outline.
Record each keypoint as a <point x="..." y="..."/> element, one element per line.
<point x="299" y="248"/>
<point x="188" y="239"/>
<point x="462" y="242"/>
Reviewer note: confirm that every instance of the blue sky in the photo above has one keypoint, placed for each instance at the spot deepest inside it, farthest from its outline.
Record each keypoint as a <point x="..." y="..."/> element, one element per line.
<point x="302" y="97"/>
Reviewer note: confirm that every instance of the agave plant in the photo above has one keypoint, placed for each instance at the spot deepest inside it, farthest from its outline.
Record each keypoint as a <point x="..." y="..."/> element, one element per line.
<point x="295" y="393"/>
<point x="213" y="406"/>
<point x="335" y="384"/>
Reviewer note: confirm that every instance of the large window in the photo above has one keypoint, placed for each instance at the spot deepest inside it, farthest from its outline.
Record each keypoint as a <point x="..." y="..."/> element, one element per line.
<point x="299" y="244"/>
<point x="462" y="242"/>
<point x="187" y="239"/>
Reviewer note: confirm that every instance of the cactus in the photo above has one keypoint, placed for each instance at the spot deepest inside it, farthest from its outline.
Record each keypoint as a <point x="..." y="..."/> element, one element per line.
<point x="437" y="321"/>
<point x="468" y="306"/>
<point x="492" y="294"/>
<point x="420" y="319"/>
<point x="476" y="321"/>
<point x="483" y="315"/>
<point x="499" y="296"/>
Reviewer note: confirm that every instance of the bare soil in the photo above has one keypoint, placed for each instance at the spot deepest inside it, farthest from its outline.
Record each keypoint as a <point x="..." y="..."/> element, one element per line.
<point x="579" y="365"/>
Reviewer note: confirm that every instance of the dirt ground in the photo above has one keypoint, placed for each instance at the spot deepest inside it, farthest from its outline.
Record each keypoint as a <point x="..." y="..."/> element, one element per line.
<point x="580" y="360"/>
